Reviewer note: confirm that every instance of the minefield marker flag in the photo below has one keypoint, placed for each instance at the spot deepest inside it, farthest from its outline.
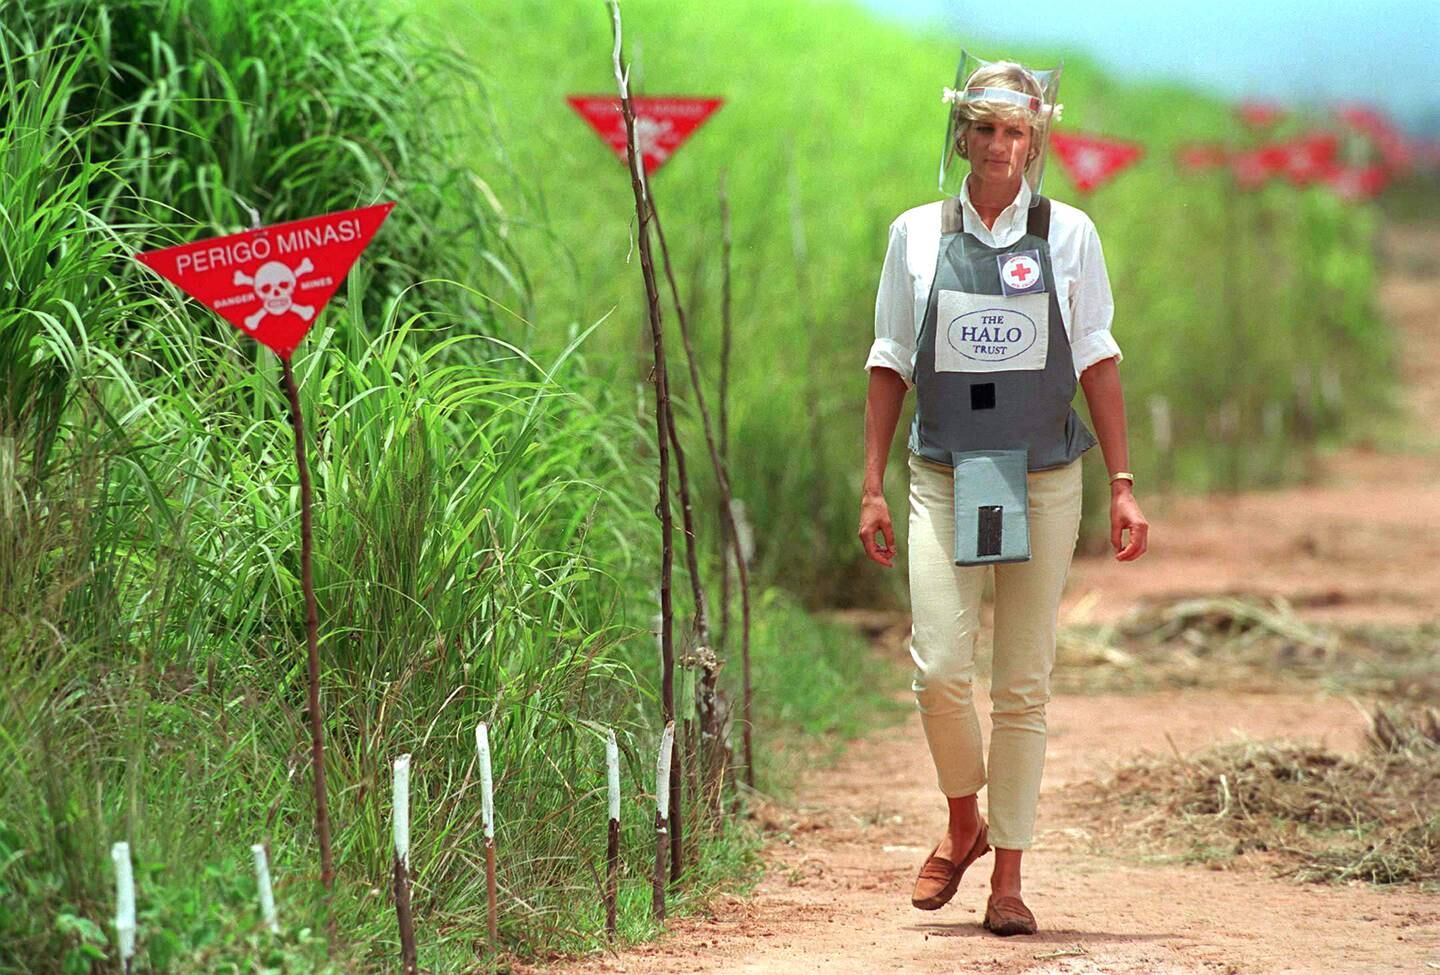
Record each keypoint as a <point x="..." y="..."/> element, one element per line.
<point x="1198" y="156"/>
<point x="1311" y="157"/>
<point x="1254" y="167"/>
<point x="1396" y="152"/>
<point x="1357" y="183"/>
<point x="662" y="123"/>
<point x="1092" y="161"/>
<point x="271" y="282"/>
<point x="1259" y="114"/>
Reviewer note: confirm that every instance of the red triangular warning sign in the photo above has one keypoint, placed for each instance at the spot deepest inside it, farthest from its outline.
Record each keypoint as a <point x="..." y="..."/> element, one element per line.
<point x="1254" y="167"/>
<point x="661" y="124"/>
<point x="1311" y="157"/>
<point x="271" y="282"/>
<point x="1396" y="151"/>
<point x="1197" y="156"/>
<point x="1259" y="115"/>
<point x="1354" y="183"/>
<point x="1092" y="161"/>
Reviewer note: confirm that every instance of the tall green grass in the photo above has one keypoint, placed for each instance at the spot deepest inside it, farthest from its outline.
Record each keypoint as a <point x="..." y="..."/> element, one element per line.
<point x="215" y="112"/>
<point x="485" y="538"/>
<point x="56" y="254"/>
<point x="835" y="115"/>
<point x="484" y="476"/>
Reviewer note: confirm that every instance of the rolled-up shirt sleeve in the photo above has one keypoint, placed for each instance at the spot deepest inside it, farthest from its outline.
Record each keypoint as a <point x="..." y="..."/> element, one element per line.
<point x="1092" y="307"/>
<point x="894" y="345"/>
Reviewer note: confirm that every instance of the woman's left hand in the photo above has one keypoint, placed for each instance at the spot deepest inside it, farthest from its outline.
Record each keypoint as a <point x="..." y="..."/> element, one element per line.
<point x="1125" y="513"/>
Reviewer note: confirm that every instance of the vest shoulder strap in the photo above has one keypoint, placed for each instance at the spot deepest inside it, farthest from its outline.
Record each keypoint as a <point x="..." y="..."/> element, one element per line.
<point x="951" y="219"/>
<point x="1038" y="222"/>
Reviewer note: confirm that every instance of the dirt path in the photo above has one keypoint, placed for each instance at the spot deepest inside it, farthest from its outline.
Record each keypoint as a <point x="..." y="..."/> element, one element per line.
<point x="841" y="862"/>
<point x="1361" y="544"/>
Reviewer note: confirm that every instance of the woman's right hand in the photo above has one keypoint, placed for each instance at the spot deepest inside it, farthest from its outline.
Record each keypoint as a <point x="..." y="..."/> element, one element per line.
<point x="875" y="517"/>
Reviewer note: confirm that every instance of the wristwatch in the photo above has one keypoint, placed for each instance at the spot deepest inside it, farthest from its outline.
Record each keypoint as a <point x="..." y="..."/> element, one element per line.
<point x="1123" y="475"/>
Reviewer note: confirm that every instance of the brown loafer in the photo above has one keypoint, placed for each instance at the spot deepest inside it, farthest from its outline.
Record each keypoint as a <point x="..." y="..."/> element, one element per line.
<point x="1007" y="915"/>
<point x="940" y="878"/>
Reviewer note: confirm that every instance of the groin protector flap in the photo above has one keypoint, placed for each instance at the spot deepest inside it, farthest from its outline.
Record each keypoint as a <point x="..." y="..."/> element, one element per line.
<point x="991" y="506"/>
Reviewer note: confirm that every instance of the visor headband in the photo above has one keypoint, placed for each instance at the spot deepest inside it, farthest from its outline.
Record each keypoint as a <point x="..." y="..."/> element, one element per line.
<point x="1030" y="103"/>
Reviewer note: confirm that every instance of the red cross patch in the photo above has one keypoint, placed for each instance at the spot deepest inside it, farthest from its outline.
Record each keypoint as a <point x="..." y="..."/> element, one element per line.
<point x="1020" y="273"/>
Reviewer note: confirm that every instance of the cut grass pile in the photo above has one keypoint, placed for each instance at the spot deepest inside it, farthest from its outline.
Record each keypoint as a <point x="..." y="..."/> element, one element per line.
<point x="1247" y="644"/>
<point x="1311" y="814"/>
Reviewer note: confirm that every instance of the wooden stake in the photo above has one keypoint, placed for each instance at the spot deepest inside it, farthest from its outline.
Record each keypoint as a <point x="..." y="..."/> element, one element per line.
<point x="814" y="385"/>
<point x="401" y="821"/>
<point x="1163" y="436"/>
<point x="701" y="631"/>
<point x="487" y="807"/>
<point x="262" y="883"/>
<point x="312" y="643"/>
<point x="712" y="721"/>
<point x="722" y="479"/>
<point x="662" y="819"/>
<point x="612" y="843"/>
<point x="124" y="902"/>
<point x="1230" y="283"/>
<point x="644" y="213"/>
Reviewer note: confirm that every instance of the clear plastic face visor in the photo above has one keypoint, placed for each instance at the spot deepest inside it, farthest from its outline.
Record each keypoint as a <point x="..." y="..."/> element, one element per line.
<point x="987" y="91"/>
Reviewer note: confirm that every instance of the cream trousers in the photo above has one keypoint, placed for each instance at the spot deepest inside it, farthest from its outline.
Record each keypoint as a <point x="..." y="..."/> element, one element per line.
<point x="945" y="606"/>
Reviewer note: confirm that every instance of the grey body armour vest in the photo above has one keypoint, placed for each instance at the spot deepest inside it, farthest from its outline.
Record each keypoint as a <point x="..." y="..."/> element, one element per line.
<point x="993" y="368"/>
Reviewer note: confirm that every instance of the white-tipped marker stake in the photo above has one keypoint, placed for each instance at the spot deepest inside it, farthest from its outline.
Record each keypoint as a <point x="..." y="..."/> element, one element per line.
<point x="402" y="865"/>
<point x="662" y="819"/>
<point x="262" y="882"/>
<point x="662" y="772"/>
<point x="612" y="845"/>
<point x="401" y="818"/>
<point x="124" y="902"/>
<point x="612" y="773"/>
<point x="487" y="782"/>
<point x="487" y="812"/>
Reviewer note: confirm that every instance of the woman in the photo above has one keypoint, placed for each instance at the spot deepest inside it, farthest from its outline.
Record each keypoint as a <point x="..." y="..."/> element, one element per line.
<point x="993" y="304"/>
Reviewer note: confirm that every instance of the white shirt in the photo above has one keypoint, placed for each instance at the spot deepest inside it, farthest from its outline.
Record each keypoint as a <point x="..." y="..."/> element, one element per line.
<point x="1081" y="285"/>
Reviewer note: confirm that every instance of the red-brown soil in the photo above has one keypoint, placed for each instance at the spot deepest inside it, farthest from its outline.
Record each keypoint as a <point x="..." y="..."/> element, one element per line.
<point x="1361" y="544"/>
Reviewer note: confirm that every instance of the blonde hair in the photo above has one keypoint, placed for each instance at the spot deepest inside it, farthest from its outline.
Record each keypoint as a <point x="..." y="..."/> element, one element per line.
<point x="1002" y="74"/>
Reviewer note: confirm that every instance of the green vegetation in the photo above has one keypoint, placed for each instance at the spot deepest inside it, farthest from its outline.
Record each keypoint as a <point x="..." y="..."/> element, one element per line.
<point x="486" y="543"/>
<point x="482" y="549"/>
<point x="832" y="126"/>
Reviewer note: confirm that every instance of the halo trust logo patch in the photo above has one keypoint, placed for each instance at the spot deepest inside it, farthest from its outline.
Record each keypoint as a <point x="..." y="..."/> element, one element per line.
<point x="1020" y="273"/>
<point x="992" y="334"/>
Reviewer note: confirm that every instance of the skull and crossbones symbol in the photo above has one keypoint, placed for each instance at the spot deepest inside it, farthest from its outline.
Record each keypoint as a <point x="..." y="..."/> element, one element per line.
<point x="274" y="285"/>
<point x="651" y="136"/>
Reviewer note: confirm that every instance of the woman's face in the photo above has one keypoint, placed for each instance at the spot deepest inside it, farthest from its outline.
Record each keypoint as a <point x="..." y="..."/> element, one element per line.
<point x="998" y="150"/>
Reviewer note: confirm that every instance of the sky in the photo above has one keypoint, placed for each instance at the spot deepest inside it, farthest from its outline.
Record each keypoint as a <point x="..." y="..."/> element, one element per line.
<point x="1381" y="51"/>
